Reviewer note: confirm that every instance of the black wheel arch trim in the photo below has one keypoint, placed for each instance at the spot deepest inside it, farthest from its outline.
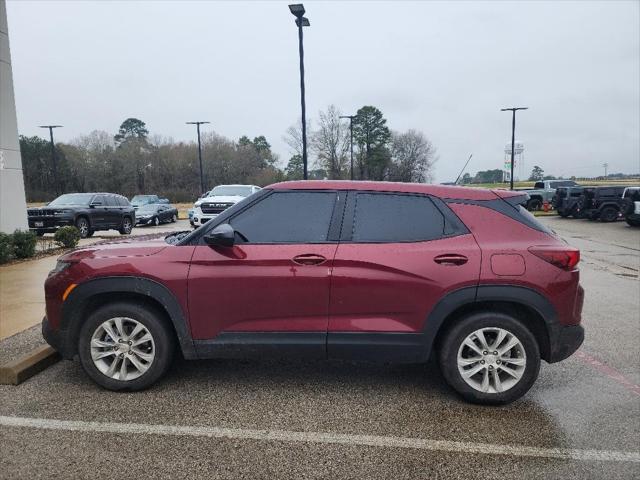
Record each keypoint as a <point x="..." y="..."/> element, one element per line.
<point x="467" y="296"/>
<point x="79" y="298"/>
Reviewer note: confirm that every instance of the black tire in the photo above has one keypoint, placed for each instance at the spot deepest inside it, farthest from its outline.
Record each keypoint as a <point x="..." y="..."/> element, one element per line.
<point x="452" y="342"/>
<point x="632" y="223"/>
<point x="83" y="226"/>
<point x="39" y="233"/>
<point x="153" y="321"/>
<point x="155" y="221"/>
<point x="534" y="204"/>
<point x="609" y="214"/>
<point x="126" y="227"/>
<point x="91" y="232"/>
<point x="564" y="214"/>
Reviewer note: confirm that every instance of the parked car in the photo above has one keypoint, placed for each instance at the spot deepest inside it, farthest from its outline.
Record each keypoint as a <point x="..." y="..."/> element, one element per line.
<point x="89" y="212"/>
<point x="218" y="200"/>
<point x="140" y="200"/>
<point x="600" y="203"/>
<point x="630" y="206"/>
<point x="544" y="191"/>
<point x="156" y="213"/>
<point x="376" y="271"/>
<point x="190" y="215"/>
<point x="565" y="201"/>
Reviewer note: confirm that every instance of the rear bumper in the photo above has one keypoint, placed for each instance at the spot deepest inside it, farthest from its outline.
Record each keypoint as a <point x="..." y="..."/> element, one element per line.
<point x="564" y="342"/>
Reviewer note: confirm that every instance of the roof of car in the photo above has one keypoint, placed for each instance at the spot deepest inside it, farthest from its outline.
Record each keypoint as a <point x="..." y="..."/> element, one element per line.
<point x="443" y="191"/>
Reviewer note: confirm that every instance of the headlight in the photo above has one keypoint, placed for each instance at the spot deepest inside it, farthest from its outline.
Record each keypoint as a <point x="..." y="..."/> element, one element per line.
<point x="60" y="267"/>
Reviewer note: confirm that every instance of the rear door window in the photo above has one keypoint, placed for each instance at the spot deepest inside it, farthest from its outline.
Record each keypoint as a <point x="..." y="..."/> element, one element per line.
<point x="382" y="217"/>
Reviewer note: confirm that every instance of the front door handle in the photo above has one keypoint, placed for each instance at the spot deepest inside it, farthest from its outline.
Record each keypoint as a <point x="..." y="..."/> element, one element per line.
<point x="309" y="259"/>
<point x="451" y="259"/>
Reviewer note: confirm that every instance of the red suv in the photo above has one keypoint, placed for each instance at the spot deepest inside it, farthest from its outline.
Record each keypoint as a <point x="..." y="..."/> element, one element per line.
<point x="340" y="270"/>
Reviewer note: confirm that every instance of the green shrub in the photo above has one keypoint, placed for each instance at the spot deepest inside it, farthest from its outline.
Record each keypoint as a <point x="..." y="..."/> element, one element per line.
<point x="24" y="244"/>
<point x="67" y="237"/>
<point x="6" y="247"/>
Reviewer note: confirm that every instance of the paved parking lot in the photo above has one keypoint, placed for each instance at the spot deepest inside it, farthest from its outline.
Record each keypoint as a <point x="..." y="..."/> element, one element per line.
<point x="253" y="419"/>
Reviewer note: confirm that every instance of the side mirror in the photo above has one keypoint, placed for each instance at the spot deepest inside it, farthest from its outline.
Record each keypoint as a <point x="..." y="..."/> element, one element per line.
<point x="221" y="236"/>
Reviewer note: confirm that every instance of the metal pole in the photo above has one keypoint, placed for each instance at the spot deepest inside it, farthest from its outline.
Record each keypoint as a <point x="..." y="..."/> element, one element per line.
<point x="513" y="138"/>
<point x="302" y="101"/>
<point x="351" y="141"/>
<point x="200" y="160"/>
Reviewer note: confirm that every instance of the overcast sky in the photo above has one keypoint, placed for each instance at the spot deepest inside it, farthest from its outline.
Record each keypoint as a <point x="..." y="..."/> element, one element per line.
<point x="443" y="68"/>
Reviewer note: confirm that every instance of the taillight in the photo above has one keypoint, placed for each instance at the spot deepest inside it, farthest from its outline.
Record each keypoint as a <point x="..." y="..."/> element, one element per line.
<point x="562" y="257"/>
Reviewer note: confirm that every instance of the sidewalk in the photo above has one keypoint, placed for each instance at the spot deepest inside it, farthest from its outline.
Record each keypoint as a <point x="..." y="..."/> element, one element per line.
<point x="22" y="293"/>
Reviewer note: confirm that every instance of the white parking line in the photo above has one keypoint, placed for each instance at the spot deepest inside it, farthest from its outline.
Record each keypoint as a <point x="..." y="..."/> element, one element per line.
<point x="322" y="438"/>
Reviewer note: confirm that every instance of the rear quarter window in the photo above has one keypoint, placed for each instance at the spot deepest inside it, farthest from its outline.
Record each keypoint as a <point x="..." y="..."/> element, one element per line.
<point x="382" y="217"/>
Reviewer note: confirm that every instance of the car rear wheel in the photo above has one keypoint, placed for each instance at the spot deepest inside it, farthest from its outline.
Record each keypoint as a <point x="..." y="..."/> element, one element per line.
<point x="489" y="358"/>
<point x="609" y="214"/>
<point x="124" y="346"/>
<point x="126" y="227"/>
<point x="82" y="224"/>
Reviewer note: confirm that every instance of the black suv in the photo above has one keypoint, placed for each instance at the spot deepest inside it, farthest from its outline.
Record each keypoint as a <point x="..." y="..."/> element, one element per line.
<point x="89" y="212"/>
<point x="600" y="203"/>
<point x="565" y="201"/>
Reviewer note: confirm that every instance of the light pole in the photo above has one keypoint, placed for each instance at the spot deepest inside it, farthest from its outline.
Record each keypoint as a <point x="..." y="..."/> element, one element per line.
<point x="350" y="117"/>
<point x="513" y="136"/>
<point x="56" y="185"/>
<point x="197" y="124"/>
<point x="298" y="11"/>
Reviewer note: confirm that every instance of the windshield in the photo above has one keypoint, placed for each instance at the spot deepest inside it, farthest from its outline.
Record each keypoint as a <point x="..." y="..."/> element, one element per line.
<point x="72" y="199"/>
<point x="142" y="199"/>
<point x="231" y="191"/>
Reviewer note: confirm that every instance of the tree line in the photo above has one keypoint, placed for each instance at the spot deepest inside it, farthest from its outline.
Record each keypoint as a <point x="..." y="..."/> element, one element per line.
<point x="132" y="161"/>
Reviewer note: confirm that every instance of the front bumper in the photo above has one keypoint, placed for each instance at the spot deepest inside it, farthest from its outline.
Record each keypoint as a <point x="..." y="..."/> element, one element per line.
<point x="52" y="337"/>
<point x="199" y="220"/>
<point x="565" y="341"/>
<point x="49" y="224"/>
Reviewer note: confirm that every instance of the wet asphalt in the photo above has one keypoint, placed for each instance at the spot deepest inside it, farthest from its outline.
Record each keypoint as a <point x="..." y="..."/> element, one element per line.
<point x="588" y="404"/>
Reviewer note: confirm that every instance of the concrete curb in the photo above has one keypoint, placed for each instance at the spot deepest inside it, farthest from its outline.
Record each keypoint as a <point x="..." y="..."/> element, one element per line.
<point x="17" y="371"/>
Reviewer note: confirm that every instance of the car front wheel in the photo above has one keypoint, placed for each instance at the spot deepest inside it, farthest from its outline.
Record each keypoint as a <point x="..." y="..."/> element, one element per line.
<point x="126" y="227"/>
<point x="490" y="358"/>
<point x="609" y="214"/>
<point x="124" y="346"/>
<point x="82" y="224"/>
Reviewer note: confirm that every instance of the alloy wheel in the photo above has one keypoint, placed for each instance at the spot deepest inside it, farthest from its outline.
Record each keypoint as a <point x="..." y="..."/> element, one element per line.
<point x="491" y="360"/>
<point x="122" y="348"/>
<point x="83" y="227"/>
<point x="126" y="225"/>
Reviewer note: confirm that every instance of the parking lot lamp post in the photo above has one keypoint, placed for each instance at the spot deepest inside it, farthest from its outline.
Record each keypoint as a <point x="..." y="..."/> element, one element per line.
<point x="298" y="11"/>
<point x="513" y="137"/>
<point x="54" y="164"/>
<point x="350" y="117"/>
<point x="197" y="124"/>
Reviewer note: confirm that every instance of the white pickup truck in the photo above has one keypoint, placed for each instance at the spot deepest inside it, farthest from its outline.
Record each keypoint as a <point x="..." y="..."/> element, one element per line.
<point x="218" y="200"/>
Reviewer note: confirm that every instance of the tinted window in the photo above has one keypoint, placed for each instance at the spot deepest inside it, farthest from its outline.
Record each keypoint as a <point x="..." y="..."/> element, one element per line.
<point x="287" y="217"/>
<point x="123" y="202"/>
<point x="111" y="201"/>
<point x="396" y="218"/>
<point x="539" y="185"/>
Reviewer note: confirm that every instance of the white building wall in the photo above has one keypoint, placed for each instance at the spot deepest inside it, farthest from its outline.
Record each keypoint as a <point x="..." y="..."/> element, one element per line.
<point x="13" y="206"/>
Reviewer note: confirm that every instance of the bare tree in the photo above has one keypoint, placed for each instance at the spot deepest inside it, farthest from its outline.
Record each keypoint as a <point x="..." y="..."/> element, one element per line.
<point x="413" y="157"/>
<point x="293" y="138"/>
<point x="330" y="142"/>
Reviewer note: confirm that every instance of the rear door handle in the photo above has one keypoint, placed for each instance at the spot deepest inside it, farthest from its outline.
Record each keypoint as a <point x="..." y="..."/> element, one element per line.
<point x="451" y="259"/>
<point x="309" y="259"/>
